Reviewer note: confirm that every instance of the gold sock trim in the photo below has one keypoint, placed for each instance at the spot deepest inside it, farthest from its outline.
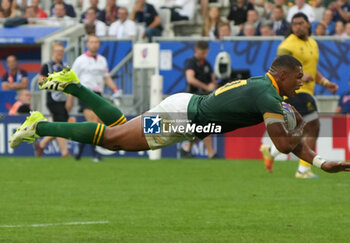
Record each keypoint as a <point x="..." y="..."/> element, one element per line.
<point x="100" y="135"/>
<point x="117" y="122"/>
<point x="96" y="132"/>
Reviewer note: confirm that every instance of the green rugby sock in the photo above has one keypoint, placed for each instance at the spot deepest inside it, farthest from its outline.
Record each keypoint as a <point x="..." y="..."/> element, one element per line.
<point x="84" y="132"/>
<point x="108" y="113"/>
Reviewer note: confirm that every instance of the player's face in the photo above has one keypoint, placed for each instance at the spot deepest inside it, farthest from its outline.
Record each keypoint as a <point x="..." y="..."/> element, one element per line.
<point x="200" y="54"/>
<point x="58" y="52"/>
<point x="292" y="82"/>
<point x="11" y="62"/>
<point x="300" y="27"/>
<point x="93" y="44"/>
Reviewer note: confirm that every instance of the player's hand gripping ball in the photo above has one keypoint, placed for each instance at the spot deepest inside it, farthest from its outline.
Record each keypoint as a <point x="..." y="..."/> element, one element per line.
<point x="289" y="117"/>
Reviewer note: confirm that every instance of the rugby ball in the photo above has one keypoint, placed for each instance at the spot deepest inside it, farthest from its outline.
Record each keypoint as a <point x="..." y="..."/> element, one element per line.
<point x="289" y="117"/>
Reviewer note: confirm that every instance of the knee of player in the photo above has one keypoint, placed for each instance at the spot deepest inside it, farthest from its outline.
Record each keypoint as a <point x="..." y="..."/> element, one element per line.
<point x="110" y="138"/>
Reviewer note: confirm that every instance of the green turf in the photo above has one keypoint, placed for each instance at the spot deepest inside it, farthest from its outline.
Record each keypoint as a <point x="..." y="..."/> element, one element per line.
<point x="170" y="201"/>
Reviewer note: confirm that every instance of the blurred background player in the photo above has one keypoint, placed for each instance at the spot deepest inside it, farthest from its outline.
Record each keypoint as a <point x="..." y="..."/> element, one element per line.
<point x="305" y="49"/>
<point x="55" y="101"/>
<point x="344" y="103"/>
<point x="92" y="70"/>
<point x="14" y="78"/>
<point x="200" y="80"/>
<point x="22" y="104"/>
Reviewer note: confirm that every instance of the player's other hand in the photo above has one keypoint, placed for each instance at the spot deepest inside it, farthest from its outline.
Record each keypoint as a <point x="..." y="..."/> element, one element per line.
<point x="333" y="167"/>
<point x="307" y="78"/>
<point x="332" y="87"/>
<point x="211" y="87"/>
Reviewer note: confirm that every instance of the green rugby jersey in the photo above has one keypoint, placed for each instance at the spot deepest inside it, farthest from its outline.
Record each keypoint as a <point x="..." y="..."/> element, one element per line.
<point x="238" y="104"/>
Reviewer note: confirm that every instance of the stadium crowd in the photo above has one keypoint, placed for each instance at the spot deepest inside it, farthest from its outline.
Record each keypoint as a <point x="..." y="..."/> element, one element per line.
<point x="141" y="19"/>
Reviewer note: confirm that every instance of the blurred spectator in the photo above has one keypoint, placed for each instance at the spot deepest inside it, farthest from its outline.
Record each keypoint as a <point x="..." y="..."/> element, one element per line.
<point x="9" y="9"/>
<point x="279" y="25"/>
<point x="2" y="14"/>
<point x="341" y="10"/>
<point x="269" y="7"/>
<point x="30" y="15"/>
<point x="93" y="3"/>
<point x="21" y="5"/>
<point x="224" y="30"/>
<point x="200" y="80"/>
<point x="344" y="103"/>
<point x="253" y="17"/>
<point x="14" y="78"/>
<point x="320" y="29"/>
<point x="327" y="20"/>
<point x="60" y="17"/>
<point x="339" y="28"/>
<point x="266" y="30"/>
<point x="55" y="101"/>
<point x="40" y="13"/>
<point x="22" y="104"/>
<point x="249" y="29"/>
<point x="91" y="19"/>
<point x="238" y="12"/>
<point x="301" y="6"/>
<point x="258" y="6"/>
<point x="123" y="27"/>
<point x="181" y="9"/>
<point x="347" y="29"/>
<point x="110" y="13"/>
<point x="146" y="13"/>
<point x="69" y="10"/>
<point x="205" y="6"/>
<point x="211" y="23"/>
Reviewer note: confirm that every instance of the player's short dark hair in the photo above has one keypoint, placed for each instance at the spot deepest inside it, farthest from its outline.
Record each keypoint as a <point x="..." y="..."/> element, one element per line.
<point x="201" y="45"/>
<point x="285" y="61"/>
<point x="300" y="15"/>
<point x="64" y="6"/>
<point x="93" y="9"/>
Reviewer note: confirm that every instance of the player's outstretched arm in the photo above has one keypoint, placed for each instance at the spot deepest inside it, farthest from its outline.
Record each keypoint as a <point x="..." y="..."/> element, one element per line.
<point x="304" y="152"/>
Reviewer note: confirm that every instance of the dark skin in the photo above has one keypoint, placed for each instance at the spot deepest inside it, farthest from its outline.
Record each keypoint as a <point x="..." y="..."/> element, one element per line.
<point x="129" y="136"/>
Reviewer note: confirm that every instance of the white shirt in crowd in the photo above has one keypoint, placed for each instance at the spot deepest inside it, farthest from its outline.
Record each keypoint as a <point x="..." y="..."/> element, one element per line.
<point x="100" y="28"/>
<point x="306" y="9"/>
<point x="55" y="21"/>
<point x="186" y="7"/>
<point x="91" y="71"/>
<point x="123" y="30"/>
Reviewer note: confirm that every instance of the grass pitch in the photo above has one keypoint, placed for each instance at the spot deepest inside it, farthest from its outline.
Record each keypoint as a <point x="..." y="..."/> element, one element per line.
<point x="169" y="201"/>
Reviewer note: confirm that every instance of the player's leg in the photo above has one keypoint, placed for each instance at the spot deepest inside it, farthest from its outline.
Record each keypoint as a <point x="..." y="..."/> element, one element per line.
<point x="208" y="143"/>
<point x="90" y="116"/>
<point x="128" y="136"/>
<point x="269" y="152"/>
<point x="60" y="114"/>
<point x="185" y="150"/>
<point x="39" y="146"/>
<point x="112" y="138"/>
<point x="68" y="82"/>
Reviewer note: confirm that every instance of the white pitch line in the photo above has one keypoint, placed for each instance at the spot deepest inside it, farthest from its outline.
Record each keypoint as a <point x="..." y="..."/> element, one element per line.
<point x="55" y="224"/>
